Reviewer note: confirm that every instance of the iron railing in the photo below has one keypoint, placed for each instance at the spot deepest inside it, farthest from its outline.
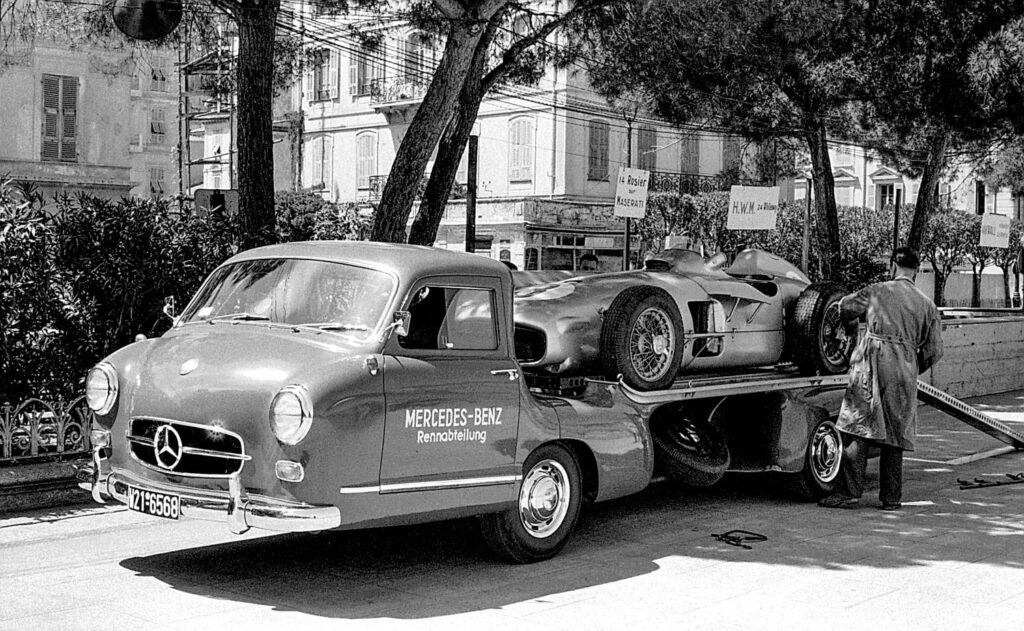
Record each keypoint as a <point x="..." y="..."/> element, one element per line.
<point x="40" y="430"/>
<point x="396" y="90"/>
<point x="690" y="183"/>
<point x="377" y="182"/>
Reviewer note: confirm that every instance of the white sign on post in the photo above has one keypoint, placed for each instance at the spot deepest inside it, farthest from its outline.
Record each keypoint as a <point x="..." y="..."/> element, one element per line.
<point x="753" y="207"/>
<point x="631" y="193"/>
<point x="995" y="231"/>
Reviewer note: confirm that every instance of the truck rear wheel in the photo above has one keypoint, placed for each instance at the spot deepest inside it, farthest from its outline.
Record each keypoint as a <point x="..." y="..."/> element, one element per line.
<point x="545" y="513"/>
<point x="642" y="339"/>
<point x="689" y="450"/>
<point x="817" y="340"/>
<point x="821" y="463"/>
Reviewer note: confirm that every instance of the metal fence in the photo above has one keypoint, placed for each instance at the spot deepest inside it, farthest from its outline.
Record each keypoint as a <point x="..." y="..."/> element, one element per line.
<point x="37" y="430"/>
<point x="691" y="184"/>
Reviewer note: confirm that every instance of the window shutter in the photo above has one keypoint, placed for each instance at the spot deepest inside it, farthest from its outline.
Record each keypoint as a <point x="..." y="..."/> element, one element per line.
<point x="353" y="74"/>
<point x="318" y="163"/>
<point x="69" y="118"/>
<point x="332" y="70"/>
<point x="328" y="162"/>
<point x="871" y="195"/>
<point x="51" y="116"/>
<point x="307" y="82"/>
<point x="597" y="168"/>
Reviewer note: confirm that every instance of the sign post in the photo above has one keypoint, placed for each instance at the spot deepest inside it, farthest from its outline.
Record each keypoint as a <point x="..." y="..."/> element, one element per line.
<point x="631" y="200"/>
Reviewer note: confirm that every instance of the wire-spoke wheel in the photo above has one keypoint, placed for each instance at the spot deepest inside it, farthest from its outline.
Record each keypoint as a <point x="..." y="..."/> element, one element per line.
<point x="817" y="339"/>
<point x="641" y="338"/>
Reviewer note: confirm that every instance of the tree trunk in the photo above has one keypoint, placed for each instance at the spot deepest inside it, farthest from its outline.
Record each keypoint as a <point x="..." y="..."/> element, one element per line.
<point x="939" y="291"/>
<point x="829" y="253"/>
<point x="255" y="140"/>
<point x="1007" y="300"/>
<point x="976" y="286"/>
<point x="453" y="144"/>
<point x="927" y="199"/>
<point x="427" y="125"/>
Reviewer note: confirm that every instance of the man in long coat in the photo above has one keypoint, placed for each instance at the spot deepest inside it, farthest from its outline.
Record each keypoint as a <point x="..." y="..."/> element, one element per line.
<point x="903" y="339"/>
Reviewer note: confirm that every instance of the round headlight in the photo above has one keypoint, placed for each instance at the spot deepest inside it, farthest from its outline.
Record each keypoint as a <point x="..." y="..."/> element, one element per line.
<point x="291" y="414"/>
<point x="101" y="388"/>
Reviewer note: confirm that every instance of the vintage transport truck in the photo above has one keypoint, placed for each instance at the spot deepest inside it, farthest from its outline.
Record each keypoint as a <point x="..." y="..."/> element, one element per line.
<point x="329" y="385"/>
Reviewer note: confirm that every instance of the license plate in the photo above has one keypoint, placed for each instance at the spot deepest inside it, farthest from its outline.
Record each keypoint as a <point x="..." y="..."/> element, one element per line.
<point x="154" y="503"/>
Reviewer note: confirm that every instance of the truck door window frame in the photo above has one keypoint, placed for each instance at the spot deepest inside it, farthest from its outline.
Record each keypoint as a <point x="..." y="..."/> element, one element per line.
<point x="490" y="285"/>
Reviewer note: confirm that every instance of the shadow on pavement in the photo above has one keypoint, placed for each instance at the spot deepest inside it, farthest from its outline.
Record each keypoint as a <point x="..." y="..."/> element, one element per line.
<point x="443" y="569"/>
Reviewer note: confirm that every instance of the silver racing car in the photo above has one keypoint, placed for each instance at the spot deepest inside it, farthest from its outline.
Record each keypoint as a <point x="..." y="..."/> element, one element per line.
<point x="681" y="313"/>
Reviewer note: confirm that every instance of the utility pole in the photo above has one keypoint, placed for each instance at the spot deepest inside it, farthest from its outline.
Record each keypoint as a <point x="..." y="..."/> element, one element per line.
<point x="629" y="164"/>
<point x="471" y="161"/>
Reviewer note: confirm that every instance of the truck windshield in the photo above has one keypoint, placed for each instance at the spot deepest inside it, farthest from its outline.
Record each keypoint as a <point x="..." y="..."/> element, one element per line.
<point x="334" y="297"/>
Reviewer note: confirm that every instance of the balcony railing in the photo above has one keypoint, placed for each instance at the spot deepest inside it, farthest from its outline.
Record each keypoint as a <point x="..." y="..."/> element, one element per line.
<point x="377" y="182"/>
<point x="396" y="90"/>
<point x="691" y="184"/>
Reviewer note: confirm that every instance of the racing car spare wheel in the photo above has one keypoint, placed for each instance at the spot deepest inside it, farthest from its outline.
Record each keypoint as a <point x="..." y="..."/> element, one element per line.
<point x="689" y="450"/>
<point x="642" y="339"/>
<point x="818" y="342"/>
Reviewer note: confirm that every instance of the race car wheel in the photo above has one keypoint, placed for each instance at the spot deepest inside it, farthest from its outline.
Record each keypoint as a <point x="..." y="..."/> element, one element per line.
<point x="818" y="342"/>
<point x="689" y="450"/>
<point x="545" y="513"/>
<point x="821" y="463"/>
<point x="642" y="339"/>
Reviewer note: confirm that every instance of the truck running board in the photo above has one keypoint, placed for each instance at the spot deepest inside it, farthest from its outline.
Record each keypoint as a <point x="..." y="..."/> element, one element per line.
<point x="973" y="417"/>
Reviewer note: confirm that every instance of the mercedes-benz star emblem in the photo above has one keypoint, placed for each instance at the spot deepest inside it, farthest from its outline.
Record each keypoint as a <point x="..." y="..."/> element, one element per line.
<point x="167" y="447"/>
<point x="188" y="366"/>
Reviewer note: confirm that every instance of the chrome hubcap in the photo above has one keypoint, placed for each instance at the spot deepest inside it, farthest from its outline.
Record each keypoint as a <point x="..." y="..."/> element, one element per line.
<point x="544" y="499"/>
<point x="651" y="344"/>
<point x="826" y="453"/>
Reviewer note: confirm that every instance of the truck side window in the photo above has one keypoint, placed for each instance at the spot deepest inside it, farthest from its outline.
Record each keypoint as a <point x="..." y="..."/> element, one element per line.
<point x="451" y="318"/>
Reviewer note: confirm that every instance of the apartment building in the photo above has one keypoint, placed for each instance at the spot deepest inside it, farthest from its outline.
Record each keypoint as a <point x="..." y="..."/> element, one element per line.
<point x="89" y="118"/>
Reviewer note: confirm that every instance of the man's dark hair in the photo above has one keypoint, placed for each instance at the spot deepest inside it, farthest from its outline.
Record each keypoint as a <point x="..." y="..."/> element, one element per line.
<point x="906" y="257"/>
<point x="590" y="257"/>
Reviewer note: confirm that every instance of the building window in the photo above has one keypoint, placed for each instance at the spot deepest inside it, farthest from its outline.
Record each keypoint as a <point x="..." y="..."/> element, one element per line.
<point x="417" y="48"/>
<point x="60" y="118"/>
<point x="979" y="197"/>
<point x="689" y="154"/>
<point x="366" y="70"/>
<point x="323" y="75"/>
<point x="886" y="195"/>
<point x="322" y="161"/>
<point x="157" y="181"/>
<point x="157" y="126"/>
<point x="647" y="148"/>
<point x="158" y="75"/>
<point x="597" y="150"/>
<point x="520" y="138"/>
<point x="732" y="153"/>
<point x="366" y="159"/>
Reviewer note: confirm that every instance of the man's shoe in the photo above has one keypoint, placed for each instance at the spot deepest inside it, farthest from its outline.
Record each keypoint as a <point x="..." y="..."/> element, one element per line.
<point x="890" y="507"/>
<point x="838" y="501"/>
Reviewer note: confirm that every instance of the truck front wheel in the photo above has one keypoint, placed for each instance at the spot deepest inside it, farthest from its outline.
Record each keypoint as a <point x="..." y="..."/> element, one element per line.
<point x="545" y="513"/>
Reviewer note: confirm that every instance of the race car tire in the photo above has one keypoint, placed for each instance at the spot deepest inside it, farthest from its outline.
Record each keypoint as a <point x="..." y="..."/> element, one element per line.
<point x="689" y="450"/>
<point x="822" y="460"/>
<point x="817" y="341"/>
<point x="546" y="510"/>
<point x="642" y="339"/>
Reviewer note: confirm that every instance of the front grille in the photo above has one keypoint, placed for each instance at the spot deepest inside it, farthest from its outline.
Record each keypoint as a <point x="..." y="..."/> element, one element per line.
<point x="183" y="448"/>
<point x="531" y="344"/>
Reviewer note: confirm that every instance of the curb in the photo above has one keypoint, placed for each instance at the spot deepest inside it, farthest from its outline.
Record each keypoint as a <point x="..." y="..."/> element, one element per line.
<point x="41" y="485"/>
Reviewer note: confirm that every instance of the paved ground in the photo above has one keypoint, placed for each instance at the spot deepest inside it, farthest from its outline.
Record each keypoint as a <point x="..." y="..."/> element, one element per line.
<point x="951" y="559"/>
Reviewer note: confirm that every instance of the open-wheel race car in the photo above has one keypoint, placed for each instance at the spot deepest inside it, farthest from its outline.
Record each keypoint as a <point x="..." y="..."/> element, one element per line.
<point x="682" y="314"/>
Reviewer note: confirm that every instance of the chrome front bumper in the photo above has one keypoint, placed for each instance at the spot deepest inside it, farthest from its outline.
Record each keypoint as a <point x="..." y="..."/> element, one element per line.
<point x="241" y="510"/>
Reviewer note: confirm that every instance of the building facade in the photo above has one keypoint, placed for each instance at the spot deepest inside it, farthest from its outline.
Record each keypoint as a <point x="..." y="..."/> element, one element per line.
<point x="93" y="119"/>
<point x="549" y="153"/>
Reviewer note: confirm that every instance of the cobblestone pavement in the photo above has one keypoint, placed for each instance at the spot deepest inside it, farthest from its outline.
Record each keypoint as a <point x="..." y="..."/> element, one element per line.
<point x="951" y="559"/>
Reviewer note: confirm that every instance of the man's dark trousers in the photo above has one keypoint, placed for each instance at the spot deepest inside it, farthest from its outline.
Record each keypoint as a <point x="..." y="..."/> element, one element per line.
<point x="854" y="470"/>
